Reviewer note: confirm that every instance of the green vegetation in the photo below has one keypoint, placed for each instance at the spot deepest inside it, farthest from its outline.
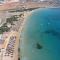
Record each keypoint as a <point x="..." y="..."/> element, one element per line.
<point x="3" y="29"/>
<point x="4" y="25"/>
<point x="20" y="15"/>
<point x="10" y="20"/>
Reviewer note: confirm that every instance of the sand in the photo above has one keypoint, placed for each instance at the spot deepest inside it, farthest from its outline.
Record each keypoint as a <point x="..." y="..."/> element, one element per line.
<point x="26" y="14"/>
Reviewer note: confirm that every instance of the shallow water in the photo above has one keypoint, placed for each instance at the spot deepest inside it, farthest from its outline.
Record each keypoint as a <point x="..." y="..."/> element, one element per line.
<point x="40" y="39"/>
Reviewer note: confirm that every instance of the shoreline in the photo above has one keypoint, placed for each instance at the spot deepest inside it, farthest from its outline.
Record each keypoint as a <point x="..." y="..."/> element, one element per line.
<point x="24" y="18"/>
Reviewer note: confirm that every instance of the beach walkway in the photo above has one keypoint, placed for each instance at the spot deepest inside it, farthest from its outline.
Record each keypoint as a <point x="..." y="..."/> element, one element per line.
<point x="10" y="47"/>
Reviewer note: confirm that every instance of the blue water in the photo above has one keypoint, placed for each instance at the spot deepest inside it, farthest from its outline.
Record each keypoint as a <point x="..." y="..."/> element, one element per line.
<point x="43" y="28"/>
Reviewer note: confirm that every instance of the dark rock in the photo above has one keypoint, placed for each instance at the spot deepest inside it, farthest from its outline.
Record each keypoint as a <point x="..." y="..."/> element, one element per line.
<point x="53" y="32"/>
<point x="18" y="58"/>
<point x="38" y="46"/>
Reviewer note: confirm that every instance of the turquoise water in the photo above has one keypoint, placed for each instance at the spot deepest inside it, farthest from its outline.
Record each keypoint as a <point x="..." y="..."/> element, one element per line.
<point x="40" y="38"/>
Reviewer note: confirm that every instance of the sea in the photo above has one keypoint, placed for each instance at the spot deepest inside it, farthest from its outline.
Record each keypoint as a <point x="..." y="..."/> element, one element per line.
<point x="40" y="37"/>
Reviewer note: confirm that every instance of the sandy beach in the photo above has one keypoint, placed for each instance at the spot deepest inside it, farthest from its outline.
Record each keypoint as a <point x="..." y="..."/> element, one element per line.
<point x="24" y="18"/>
<point x="23" y="21"/>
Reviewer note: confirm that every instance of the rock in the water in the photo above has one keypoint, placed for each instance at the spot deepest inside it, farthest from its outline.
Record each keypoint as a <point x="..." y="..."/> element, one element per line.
<point x="38" y="46"/>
